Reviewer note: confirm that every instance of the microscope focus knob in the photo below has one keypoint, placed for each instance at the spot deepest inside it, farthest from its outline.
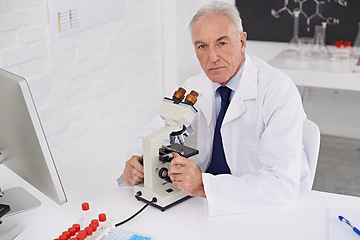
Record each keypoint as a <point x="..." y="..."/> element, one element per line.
<point x="163" y="174"/>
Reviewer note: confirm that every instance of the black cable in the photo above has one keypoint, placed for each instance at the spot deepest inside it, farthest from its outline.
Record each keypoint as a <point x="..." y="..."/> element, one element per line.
<point x="142" y="209"/>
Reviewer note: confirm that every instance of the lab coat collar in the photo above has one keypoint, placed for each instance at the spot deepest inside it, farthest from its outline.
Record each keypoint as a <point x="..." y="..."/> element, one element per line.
<point x="205" y="103"/>
<point x="246" y="90"/>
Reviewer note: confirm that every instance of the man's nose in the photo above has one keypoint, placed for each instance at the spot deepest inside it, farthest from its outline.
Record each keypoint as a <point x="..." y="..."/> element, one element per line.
<point x="213" y="55"/>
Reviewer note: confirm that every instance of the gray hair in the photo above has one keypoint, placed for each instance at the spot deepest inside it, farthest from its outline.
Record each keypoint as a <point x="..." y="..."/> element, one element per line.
<point x="217" y="8"/>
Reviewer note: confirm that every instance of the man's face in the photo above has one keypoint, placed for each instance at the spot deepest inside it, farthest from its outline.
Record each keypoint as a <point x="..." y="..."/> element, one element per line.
<point x="218" y="47"/>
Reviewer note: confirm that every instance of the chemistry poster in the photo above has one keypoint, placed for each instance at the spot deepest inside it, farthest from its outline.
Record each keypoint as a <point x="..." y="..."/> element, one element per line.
<point x="69" y="17"/>
<point x="272" y="20"/>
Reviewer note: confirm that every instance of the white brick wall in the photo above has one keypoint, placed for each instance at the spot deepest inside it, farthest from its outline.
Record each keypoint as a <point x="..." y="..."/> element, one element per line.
<point x="92" y="90"/>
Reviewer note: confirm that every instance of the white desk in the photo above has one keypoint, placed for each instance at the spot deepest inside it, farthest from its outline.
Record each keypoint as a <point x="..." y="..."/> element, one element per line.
<point x="306" y="218"/>
<point x="321" y="73"/>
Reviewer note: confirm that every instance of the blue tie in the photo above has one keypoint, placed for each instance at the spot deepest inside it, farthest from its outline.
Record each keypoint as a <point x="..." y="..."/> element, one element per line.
<point x="218" y="163"/>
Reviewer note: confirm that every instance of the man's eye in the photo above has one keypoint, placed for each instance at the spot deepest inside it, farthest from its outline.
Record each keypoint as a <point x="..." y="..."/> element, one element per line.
<point x="222" y="43"/>
<point x="202" y="46"/>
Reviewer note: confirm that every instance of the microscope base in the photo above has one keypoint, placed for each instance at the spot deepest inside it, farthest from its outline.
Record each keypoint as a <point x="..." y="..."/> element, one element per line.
<point x="166" y="196"/>
<point x="160" y="207"/>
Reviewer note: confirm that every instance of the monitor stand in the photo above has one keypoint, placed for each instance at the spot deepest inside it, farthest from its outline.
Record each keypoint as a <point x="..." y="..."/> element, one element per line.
<point x="11" y="233"/>
<point x="19" y="200"/>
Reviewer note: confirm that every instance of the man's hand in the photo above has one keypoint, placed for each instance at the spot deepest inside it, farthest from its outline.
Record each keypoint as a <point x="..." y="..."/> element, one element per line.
<point x="134" y="171"/>
<point x="186" y="176"/>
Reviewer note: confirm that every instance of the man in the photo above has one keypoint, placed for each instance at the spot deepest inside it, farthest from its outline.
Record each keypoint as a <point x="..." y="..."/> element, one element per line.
<point x="255" y="157"/>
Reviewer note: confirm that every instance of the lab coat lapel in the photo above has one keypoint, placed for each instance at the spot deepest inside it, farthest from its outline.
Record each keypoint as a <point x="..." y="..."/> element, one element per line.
<point x="206" y="100"/>
<point x="247" y="89"/>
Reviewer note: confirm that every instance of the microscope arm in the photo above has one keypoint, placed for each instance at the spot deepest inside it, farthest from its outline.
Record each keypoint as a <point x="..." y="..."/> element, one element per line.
<point x="151" y="144"/>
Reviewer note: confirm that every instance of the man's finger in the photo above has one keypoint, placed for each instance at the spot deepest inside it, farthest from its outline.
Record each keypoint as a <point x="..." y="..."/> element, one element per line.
<point x="137" y="173"/>
<point x="178" y="160"/>
<point x="176" y="169"/>
<point x="135" y="162"/>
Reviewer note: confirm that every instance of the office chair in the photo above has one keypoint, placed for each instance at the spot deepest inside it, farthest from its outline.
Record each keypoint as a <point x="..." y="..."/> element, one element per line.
<point x="311" y="142"/>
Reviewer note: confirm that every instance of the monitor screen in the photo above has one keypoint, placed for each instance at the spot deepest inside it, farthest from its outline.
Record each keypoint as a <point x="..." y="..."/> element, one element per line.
<point x="23" y="145"/>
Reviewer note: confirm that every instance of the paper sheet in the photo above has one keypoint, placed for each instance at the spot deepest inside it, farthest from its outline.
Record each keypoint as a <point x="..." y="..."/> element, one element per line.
<point x="340" y="230"/>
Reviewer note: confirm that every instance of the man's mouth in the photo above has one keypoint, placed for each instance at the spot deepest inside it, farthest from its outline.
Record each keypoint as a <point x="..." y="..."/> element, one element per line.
<point x="215" y="68"/>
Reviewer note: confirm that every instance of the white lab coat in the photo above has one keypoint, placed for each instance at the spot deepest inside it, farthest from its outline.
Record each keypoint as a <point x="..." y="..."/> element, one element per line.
<point x="262" y="139"/>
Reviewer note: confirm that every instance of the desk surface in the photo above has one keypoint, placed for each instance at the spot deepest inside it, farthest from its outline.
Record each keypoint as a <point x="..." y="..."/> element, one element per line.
<point x="312" y="73"/>
<point x="306" y="218"/>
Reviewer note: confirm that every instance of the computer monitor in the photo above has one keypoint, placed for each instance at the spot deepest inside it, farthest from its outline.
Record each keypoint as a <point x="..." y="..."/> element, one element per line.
<point x="23" y="146"/>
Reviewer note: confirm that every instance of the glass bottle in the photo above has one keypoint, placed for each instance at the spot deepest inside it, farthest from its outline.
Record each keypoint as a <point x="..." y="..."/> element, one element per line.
<point x="356" y="47"/>
<point x="321" y="49"/>
<point x="318" y="39"/>
<point x="295" y="44"/>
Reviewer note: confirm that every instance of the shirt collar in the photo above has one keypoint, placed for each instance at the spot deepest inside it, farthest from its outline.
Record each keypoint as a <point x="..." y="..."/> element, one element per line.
<point x="233" y="83"/>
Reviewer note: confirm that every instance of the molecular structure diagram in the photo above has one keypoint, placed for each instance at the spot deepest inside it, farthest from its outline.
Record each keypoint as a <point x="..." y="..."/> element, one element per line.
<point x="316" y="12"/>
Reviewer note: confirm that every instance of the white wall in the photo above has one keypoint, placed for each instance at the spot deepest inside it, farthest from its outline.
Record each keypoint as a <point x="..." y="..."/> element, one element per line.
<point x="96" y="89"/>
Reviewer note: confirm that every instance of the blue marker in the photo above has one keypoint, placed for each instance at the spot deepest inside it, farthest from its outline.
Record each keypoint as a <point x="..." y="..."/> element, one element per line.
<point x="348" y="223"/>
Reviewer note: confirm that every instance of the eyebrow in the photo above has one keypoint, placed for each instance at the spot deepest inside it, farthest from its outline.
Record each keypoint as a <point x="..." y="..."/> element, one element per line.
<point x="217" y="40"/>
<point x="198" y="43"/>
<point x="222" y="38"/>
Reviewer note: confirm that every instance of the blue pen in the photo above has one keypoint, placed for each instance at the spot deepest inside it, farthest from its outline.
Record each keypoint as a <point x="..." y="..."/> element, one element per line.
<point x="348" y="223"/>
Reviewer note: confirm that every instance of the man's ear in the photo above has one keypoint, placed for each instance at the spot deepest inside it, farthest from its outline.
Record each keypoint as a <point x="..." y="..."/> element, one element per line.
<point x="243" y="41"/>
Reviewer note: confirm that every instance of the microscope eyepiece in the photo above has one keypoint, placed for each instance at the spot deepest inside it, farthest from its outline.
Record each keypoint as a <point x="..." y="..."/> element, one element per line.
<point x="191" y="98"/>
<point x="179" y="95"/>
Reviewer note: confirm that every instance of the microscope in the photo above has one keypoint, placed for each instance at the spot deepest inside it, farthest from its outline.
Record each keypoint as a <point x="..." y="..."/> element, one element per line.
<point x="157" y="189"/>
